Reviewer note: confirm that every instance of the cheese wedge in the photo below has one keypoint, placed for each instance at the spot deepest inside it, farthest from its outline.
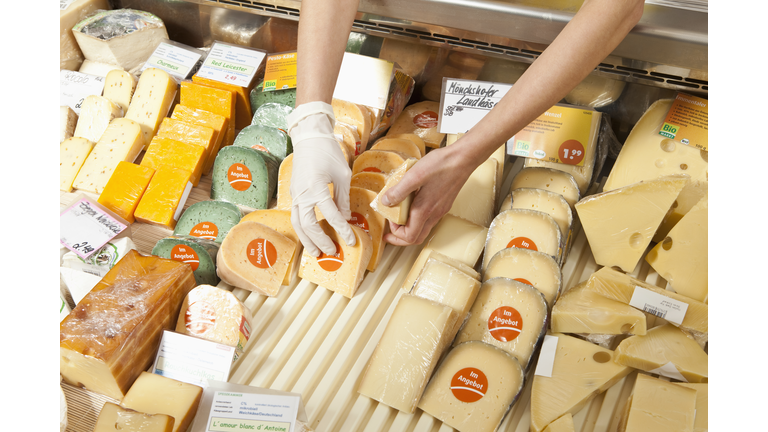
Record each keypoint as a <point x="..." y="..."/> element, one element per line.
<point x="660" y="406"/>
<point x="343" y="271"/>
<point x="582" y="311"/>
<point x="526" y="229"/>
<point x="155" y="92"/>
<point x="379" y="161"/>
<point x="356" y="116"/>
<point x="72" y="155"/>
<point x="67" y="122"/>
<point x="156" y="394"/>
<point x="350" y="138"/>
<point x="549" y="179"/>
<point x="164" y="198"/>
<point x="700" y="423"/>
<point x="563" y="424"/>
<point x="70" y="56"/>
<point x="399" y="212"/>
<point x="280" y="221"/>
<point x="163" y="151"/>
<point x="119" y="86"/>
<point x="372" y="181"/>
<point x="213" y="100"/>
<point x="580" y="372"/>
<point x="420" y="119"/>
<point x="620" y="224"/>
<point x="116" y="418"/>
<point x="400" y="145"/>
<point x="545" y="201"/>
<point x="243" y="112"/>
<point x="125" y="188"/>
<point x="530" y="267"/>
<point x="370" y="221"/>
<point x="204" y="118"/>
<point x="244" y="176"/>
<point x="476" y="201"/>
<point x="199" y="253"/>
<point x="284" y="199"/>
<point x="96" y="113"/>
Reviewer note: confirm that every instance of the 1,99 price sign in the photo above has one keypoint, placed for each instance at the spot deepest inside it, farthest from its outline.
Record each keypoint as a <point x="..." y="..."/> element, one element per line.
<point x="571" y="152"/>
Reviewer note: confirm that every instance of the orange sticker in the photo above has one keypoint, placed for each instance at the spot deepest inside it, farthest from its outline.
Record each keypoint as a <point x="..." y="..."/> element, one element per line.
<point x="505" y="324"/>
<point x="185" y="254"/>
<point x="371" y="169"/>
<point x="200" y="318"/>
<point x="522" y="243"/>
<point x="571" y="152"/>
<point x="245" y="328"/>
<point x="261" y="253"/>
<point x="239" y="177"/>
<point x="525" y="281"/>
<point x="469" y="385"/>
<point x="331" y="262"/>
<point x="426" y="120"/>
<point x="359" y="220"/>
<point x="206" y="230"/>
<point x="358" y="148"/>
<point x="260" y="148"/>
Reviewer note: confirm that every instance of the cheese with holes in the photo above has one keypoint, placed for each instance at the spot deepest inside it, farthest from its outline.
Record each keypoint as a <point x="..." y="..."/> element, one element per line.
<point x="445" y="284"/>
<point x="125" y="188"/>
<point x="370" y="221"/>
<point x="163" y="151"/>
<point x="211" y="99"/>
<point x="476" y="201"/>
<point x="164" y="198"/>
<point x="210" y="220"/>
<point x="581" y="371"/>
<point x="663" y="345"/>
<point x="620" y="224"/>
<point x="549" y="179"/>
<point x="397" y="213"/>
<point x="190" y="133"/>
<point x="204" y="118"/>
<point x="280" y="221"/>
<point x="379" y="161"/>
<point x="356" y="116"/>
<point x="563" y="424"/>
<point x="473" y="387"/>
<point x="199" y="253"/>
<point x="216" y="315"/>
<point x="545" y="201"/>
<point x="660" y="406"/>
<point x="243" y="111"/>
<point x="96" y="113"/>
<point x="700" y="423"/>
<point x="255" y="257"/>
<point x="119" y="86"/>
<point x="415" y="337"/>
<point x="121" y="141"/>
<point x="509" y="315"/>
<point x="530" y="267"/>
<point x="156" y="394"/>
<point x="112" y="335"/>
<point x="421" y="120"/>
<point x="372" y="181"/>
<point x="400" y="145"/>
<point x="116" y="418"/>
<point x="244" y="176"/>
<point x="67" y="122"/>
<point x="151" y="101"/>
<point x="582" y="311"/>
<point x="526" y="229"/>
<point x="343" y="271"/>
<point x="682" y="258"/>
<point x="70" y="56"/>
<point x="72" y="154"/>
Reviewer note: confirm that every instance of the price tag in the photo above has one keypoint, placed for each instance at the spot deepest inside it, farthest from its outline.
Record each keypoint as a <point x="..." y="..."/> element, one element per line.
<point x="687" y="121"/>
<point x="250" y="411"/>
<point x="659" y="305"/>
<point x="669" y="370"/>
<point x="547" y="356"/>
<point x="176" y="59"/>
<point x="464" y="103"/>
<point x="231" y="64"/>
<point x="280" y="72"/>
<point x="85" y="227"/>
<point x="561" y="135"/>
<point x="192" y="360"/>
<point x="364" y="80"/>
<point x="75" y="86"/>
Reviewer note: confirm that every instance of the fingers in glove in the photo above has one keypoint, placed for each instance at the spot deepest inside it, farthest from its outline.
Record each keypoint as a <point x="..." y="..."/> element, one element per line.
<point x="341" y="194"/>
<point x="337" y="221"/>
<point x="310" y="233"/>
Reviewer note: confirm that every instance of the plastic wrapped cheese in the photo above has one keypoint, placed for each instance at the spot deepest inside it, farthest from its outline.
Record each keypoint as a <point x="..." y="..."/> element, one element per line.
<point x="595" y="92"/>
<point x="199" y="253"/>
<point x="380" y="161"/>
<point x="400" y="145"/>
<point x="244" y="176"/>
<point x="356" y="116"/>
<point x="476" y="201"/>
<point x="549" y="179"/>
<point x="210" y="220"/>
<point x="399" y="212"/>
<point x="156" y="394"/>
<point x="190" y="133"/>
<point x="113" y="334"/>
<point x="534" y="268"/>
<point x="372" y="181"/>
<point x="125" y="188"/>
<point x="265" y="138"/>
<point x="582" y="311"/>
<point x="272" y="115"/>
<point x="214" y="100"/>
<point x="100" y="262"/>
<point x="72" y="12"/>
<point x="419" y="119"/>
<point x="170" y="152"/>
<point x="243" y="110"/>
<point x="527" y="229"/>
<point x="280" y="221"/>
<point x="370" y="221"/>
<point x="259" y="97"/>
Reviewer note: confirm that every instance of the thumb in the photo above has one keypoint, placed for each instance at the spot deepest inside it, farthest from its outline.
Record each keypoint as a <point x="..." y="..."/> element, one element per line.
<point x="397" y="193"/>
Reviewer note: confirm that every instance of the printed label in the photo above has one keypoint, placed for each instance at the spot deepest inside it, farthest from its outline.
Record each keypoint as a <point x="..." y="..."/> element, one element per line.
<point x="205" y="230"/>
<point x="571" y="152"/>
<point x="192" y="359"/>
<point x="231" y="64"/>
<point x="372" y="169"/>
<point x="687" y="121"/>
<point x="659" y="305"/>
<point x="426" y="120"/>
<point x="245" y="328"/>
<point x="239" y="177"/>
<point x="200" y="318"/>
<point x="525" y="281"/>
<point x="669" y="370"/>
<point x="261" y="253"/>
<point x="236" y="411"/>
<point x="280" y="72"/>
<point x="469" y="385"/>
<point x="359" y="221"/>
<point x="505" y="324"/>
<point x="560" y="135"/>
<point x="547" y="356"/>
<point x="522" y="243"/>
<point x="64" y="4"/>
<point x="175" y="60"/>
<point x="331" y="262"/>
<point x="185" y="254"/>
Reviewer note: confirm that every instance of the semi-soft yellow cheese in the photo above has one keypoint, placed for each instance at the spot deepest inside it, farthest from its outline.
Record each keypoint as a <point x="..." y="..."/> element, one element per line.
<point x="164" y="198"/>
<point x="125" y="188"/>
<point x="156" y="394"/>
<point x="534" y="268"/>
<point x="421" y="120"/>
<point x="476" y="201"/>
<point x="545" y="201"/>
<point x="372" y="181"/>
<point x="414" y="339"/>
<point x="397" y="213"/>
<point x="204" y="118"/>
<point x="214" y="100"/>
<point x="370" y="221"/>
<point x="412" y="138"/>
<point x="425" y="255"/>
<point x="243" y="110"/>
<point x="660" y="406"/>
<point x="350" y="139"/>
<point x="280" y="221"/>
<point x="113" y="418"/>
<point x="549" y="179"/>
<point x="619" y="224"/>
<point x="380" y="161"/>
<point x="399" y="145"/>
<point x="582" y="311"/>
<point x="701" y="422"/>
<point x="163" y="151"/>
<point x="509" y="315"/>
<point x="72" y="154"/>
<point x="526" y="229"/>
<point x="96" y="113"/>
<point x="119" y="86"/>
<point x="151" y="101"/>
<point x="473" y="387"/>
<point x="284" y="200"/>
<point x="563" y="424"/>
<point x="356" y="116"/>
<point x="190" y="133"/>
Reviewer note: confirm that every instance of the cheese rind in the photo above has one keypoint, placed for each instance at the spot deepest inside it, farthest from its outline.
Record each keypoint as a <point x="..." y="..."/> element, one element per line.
<point x="72" y="155"/>
<point x="549" y="179"/>
<point x="280" y="221"/>
<point x="125" y="188"/>
<point x="525" y="265"/>
<point x="156" y="394"/>
<point x="151" y="101"/>
<point x="399" y="212"/>
<point x="582" y="311"/>
<point x="545" y="201"/>
<point x="209" y="220"/>
<point x="96" y="114"/>
<point x="420" y="119"/>
<point x="373" y="223"/>
<point x="527" y="229"/>
<point x="116" y="418"/>
<point x="67" y="122"/>
<point x="658" y="405"/>
<point x="197" y="252"/>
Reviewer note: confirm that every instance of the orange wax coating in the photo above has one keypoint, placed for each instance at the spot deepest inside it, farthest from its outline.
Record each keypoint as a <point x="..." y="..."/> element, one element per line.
<point x="243" y="110"/>
<point x="211" y="99"/>
<point x="125" y="188"/>
<point x="217" y="122"/>
<point x="167" y="151"/>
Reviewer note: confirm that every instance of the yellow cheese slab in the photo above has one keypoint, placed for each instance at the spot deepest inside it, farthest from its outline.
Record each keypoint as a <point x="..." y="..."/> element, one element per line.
<point x="72" y="155"/>
<point x="155" y="92"/>
<point x="119" y="86"/>
<point x="400" y="145"/>
<point x="379" y="161"/>
<point x="476" y="201"/>
<point x="399" y="212"/>
<point x="701" y="422"/>
<point x="660" y="406"/>
<point x="582" y="311"/>
<point x="204" y="118"/>
<point x="114" y="418"/>
<point x="190" y="133"/>
<point x="211" y="99"/>
<point x="372" y="181"/>
<point x="125" y="188"/>
<point x="534" y="268"/>
<point x="156" y="394"/>
<point x="96" y="113"/>
<point x="549" y="179"/>
<point x="280" y="221"/>
<point x="177" y="154"/>
<point x="421" y="120"/>
<point x="164" y="198"/>
<point x="370" y="221"/>
<point x="527" y="229"/>
<point x="243" y="112"/>
<point x="356" y="116"/>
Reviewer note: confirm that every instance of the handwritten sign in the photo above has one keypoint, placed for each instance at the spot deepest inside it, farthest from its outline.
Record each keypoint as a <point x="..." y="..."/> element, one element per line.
<point x="76" y="86"/>
<point x="464" y="103"/>
<point x="85" y="227"/>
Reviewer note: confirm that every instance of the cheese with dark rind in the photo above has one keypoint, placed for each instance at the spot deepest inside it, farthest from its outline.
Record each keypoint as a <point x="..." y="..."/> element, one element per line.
<point x="262" y="137"/>
<point x="112" y="335"/>
<point x="258" y="184"/>
<point x="210" y="220"/>
<point x="202" y="257"/>
<point x="559" y="182"/>
<point x="125" y="188"/>
<point x="259" y="97"/>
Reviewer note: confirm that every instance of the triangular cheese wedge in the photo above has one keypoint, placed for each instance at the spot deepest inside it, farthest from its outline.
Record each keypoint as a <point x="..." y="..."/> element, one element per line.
<point x="620" y="224"/>
<point x="374" y="224"/>
<point x="563" y="424"/>
<point x="476" y="201"/>
<point x="659" y="406"/>
<point x="280" y="221"/>
<point x="583" y="311"/>
<point x="580" y="371"/>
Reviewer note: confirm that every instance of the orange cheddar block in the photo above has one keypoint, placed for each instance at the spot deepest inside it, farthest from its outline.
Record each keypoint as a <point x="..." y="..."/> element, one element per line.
<point x="165" y="196"/>
<point x="125" y="188"/>
<point x="211" y="99"/>
<point x="167" y="151"/>
<point x="243" y="112"/>
<point x="189" y="133"/>
<point x="217" y="122"/>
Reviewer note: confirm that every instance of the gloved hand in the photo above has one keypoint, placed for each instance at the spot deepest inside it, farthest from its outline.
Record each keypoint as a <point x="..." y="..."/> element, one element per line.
<point x="318" y="161"/>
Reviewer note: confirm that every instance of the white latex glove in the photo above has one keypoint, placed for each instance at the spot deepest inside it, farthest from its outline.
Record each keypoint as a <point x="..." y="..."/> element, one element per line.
<point x="318" y="161"/>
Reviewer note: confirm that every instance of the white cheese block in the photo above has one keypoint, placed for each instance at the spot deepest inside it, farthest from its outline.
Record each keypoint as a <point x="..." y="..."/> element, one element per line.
<point x="70" y="55"/>
<point x="72" y="155"/>
<point x="476" y="201"/>
<point x="116" y="418"/>
<point x="151" y="101"/>
<point x="99" y="69"/>
<point x="549" y="179"/>
<point x="682" y="257"/>
<point x="76" y="284"/>
<point x="619" y="224"/>
<point x="582" y="311"/>
<point x="96" y="114"/>
<point x="67" y="122"/>
<point x="509" y="315"/>
<point x="399" y="212"/>
<point x="121" y="141"/>
<point x="473" y="387"/>
<point x="156" y="394"/>
<point x="530" y="267"/>
<point x="527" y="229"/>
<point x="659" y="406"/>
<point x="413" y="341"/>
<point x="119" y="86"/>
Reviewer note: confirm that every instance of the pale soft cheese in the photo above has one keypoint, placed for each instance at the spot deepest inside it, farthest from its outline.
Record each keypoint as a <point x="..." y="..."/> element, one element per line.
<point x="156" y="394"/>
<point x="116" y="418"/>
<point x="72" y="154"/>
<point x="151" y="101"/>
<point x="96" y="113"/>
<point x="119" y="86"/>
<point x="70" y="55"/>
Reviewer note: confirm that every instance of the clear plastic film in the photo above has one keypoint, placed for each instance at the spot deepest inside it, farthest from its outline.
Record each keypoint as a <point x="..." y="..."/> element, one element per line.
<point x="399" y="145"/>
<point x="606" y="341"/>
<point x="164" y="151"/>
<point x="426" y="253"/>
<point x="474" y="387"/>
<point x="210" y="220"/>
<point x="509" y="315"/>
<point x="534" y="268"/>
<point x="343" y="271"/>
<point x="550" y="203"/>
<point x="243" y="111"/>
<point x="101" y="261"/>
<point x="397" y="213"/>
<point x="109" y="24"/>
<point x="420" y="119"/>
<point x="595" y="92"/>
<point x="113" y="333"/>
<point x="659" y="405"/>
<point x="527" y="229"/>
<point x="199" y="253"/>
<point x="476" y="201"/>
<point x="280" y="221"/>
<point x="550" y="179"/>
<point x="204" y="118"/>
<point x="245" y="177"/>
<point x="400" y="90"/>
<point x="354" y="115"/>
<point x="416" y="335"/>
<point x="580" y="310"/>
<point x="273" y="115"/>
<point x="265" y="138"/>
<point x="348" y="135"/>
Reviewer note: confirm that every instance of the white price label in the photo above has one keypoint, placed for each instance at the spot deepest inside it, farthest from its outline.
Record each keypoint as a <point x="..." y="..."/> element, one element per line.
<point x="231" y="64"/>
<point x="192" y="360"/>
<point x="659" y="305"/>
<point x="248" y="411"/>
<point x="369" y="87"/>
<point x="85" y="228"/>
<point x="74" y="87"/>
<point x="464" y="103"/>
<point x="547" y="356"/>
<point x="173" y="59"/>
<point x="669" y="370"/>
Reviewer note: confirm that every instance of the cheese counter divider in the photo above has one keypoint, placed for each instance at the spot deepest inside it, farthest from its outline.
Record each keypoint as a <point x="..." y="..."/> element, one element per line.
<point x="315" y="342"/>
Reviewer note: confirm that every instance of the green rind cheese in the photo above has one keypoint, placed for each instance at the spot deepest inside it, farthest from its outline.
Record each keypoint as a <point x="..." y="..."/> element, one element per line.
<point x="259" y="97"/>
<point x="263" y="177"/>
<point x="277" y="142"/>
<point x="206" y="251"/>
<point x="222" y="214"/>
<point x="273" y="115"/>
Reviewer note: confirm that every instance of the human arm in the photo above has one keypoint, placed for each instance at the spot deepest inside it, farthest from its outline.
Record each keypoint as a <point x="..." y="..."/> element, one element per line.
<point x="593" y="33"/>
